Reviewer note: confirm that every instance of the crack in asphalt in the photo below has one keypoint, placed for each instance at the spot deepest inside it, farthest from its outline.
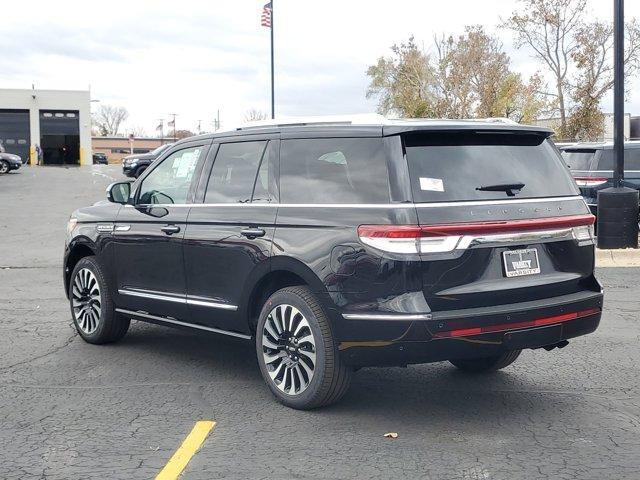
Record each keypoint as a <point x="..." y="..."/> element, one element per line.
<point x="46" y="354"/>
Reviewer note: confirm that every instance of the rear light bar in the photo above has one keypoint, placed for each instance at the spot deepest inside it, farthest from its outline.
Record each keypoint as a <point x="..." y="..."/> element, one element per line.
<point x="566" y="317"/>
<point x="590" y="181"/>
<point x="449" y="237"/>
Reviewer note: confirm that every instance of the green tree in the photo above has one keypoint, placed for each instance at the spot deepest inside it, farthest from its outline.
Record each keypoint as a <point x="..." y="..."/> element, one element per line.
<point x="404" y="82"/>
<point x="468" y="77"/>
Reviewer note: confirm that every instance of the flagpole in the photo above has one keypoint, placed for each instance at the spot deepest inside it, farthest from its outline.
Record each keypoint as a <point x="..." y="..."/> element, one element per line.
<point x="273" y="108"/>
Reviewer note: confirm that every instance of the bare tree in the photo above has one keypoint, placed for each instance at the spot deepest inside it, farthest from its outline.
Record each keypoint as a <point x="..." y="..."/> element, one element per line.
<point x="548" y="27"/>
<point x="138" y="131"/>
<point x="254" y="115"/>
<point x="109" y="118"/>
<point x="594" y="77"/>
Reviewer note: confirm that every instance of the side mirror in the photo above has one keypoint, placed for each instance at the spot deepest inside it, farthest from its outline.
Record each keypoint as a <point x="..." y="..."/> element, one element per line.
<point x="119" y="192"/>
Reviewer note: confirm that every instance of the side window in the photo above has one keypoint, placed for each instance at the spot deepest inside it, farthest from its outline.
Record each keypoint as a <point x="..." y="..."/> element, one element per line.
<point x="333" y="170"/>
<point x="265" y="185"/>
<point x="234" y="172"/>
<point x="632" y="159"/>
<point x="169" y="182"/>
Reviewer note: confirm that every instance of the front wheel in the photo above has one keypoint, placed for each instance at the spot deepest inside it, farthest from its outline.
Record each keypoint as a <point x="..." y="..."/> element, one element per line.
<point x="140" y="171"/>
<point x="4" y="167"/>
<point x="297" y="353"/>
<point x="92" y="307"/>
<point x="487" y="364"/>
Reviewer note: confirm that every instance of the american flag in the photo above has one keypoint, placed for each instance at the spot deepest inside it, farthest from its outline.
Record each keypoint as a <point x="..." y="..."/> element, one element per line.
<point x="265" y="20"/>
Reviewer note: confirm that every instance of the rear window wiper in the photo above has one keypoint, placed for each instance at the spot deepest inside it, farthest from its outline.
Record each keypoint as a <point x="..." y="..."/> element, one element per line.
<point x="511" y="189"/>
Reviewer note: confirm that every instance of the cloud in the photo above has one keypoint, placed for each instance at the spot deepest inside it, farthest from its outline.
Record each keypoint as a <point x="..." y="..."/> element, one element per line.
<point x="195" y="57"/>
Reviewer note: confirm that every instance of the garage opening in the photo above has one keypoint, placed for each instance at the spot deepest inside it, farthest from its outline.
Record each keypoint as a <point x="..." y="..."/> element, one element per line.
<point x="14" y="132"/>
<point x="60" y="137"/>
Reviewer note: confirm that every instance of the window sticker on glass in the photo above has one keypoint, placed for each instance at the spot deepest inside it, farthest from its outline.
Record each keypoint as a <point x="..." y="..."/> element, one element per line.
<point x="431" y="184"/>
<point x="186" y="164"/>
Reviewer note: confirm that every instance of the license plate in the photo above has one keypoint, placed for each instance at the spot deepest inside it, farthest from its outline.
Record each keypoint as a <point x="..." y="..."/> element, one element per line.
<point x="518" y="263"/>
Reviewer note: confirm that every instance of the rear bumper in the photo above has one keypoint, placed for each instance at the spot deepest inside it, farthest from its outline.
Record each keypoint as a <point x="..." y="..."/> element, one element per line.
<point x="472" y="333"/>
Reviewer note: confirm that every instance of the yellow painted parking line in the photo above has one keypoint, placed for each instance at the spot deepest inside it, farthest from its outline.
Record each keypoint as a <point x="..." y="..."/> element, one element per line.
<point x="189" y="447"/>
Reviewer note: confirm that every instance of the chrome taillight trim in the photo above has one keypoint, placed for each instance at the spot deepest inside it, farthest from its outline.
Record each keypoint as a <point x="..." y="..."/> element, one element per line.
<point x="451" y="243"/>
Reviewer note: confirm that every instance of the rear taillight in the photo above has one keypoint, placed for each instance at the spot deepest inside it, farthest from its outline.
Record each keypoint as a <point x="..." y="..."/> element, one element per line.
<point x="590" y="181"/>
<point x="459" y="236"/>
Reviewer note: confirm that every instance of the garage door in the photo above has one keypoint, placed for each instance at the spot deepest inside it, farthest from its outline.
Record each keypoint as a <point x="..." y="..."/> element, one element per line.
<point x="60" y="137"/>
<point x="14" y="132"/>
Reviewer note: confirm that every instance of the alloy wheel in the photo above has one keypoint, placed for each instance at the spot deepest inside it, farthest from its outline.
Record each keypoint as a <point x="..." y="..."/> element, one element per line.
<point x="86" y="301"/>
<point x="4" y="167"/>
<point x="289" y="349"/>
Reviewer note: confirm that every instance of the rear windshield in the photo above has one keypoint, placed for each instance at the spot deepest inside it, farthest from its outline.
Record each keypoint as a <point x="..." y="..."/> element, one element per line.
<point x="485" y="166"/>
<point x="579" y="159"/>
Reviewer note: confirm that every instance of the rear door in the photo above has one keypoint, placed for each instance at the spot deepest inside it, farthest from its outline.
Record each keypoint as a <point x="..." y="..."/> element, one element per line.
<point x="497" y="212"/>
<point x="148" y="236"/>
<point x="230" y="231"/>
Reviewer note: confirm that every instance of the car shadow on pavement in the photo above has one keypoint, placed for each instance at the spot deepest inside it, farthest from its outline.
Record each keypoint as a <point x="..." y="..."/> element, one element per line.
<point x="437" y="389"/>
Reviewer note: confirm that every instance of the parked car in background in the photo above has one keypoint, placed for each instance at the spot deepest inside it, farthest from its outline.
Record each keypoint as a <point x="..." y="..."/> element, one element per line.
<point x="134" y="165"/>
<point x="8" y="161"/>
<point x="339" y="245"/>
<point x="591" y="165"/>
<point x="100" y="159"/>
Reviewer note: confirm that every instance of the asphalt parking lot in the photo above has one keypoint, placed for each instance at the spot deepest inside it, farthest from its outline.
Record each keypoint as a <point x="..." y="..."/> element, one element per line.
<point x="72" y="410"/>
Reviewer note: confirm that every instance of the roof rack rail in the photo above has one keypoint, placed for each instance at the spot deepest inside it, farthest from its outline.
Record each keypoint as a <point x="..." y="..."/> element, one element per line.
<point x="359" y="119"/>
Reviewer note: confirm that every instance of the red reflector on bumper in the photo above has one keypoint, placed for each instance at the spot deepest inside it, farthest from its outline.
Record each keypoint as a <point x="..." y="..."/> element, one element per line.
<point x="565" y="317"/>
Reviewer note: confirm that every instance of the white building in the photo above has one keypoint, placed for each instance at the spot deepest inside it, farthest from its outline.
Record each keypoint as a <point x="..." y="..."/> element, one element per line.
<point x="59" y="121"/>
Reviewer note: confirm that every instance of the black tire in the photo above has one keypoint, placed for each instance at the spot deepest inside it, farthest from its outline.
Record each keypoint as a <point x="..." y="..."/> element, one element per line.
<point x="111" y="326"/>
<point x="140" y="171"/>
<point x="487" y="364"/>
<point x="4" y="167"/>
<point x="331" y="378"/>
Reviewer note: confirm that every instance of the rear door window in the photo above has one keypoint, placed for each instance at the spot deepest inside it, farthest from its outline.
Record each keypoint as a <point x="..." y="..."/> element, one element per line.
<point x="234" y="173"/>
<point x="333" y="170"/>
<point x="452" y="166"/>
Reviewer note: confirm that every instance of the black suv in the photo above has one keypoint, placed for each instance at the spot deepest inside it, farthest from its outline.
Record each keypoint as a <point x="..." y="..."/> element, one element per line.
<point x="134" y="165"/>
<point x="591" y="165"/>
<point x="341" y="245"/>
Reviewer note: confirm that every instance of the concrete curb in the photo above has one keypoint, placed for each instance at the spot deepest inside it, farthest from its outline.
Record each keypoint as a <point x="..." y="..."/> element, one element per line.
<point x="618" y="258"/>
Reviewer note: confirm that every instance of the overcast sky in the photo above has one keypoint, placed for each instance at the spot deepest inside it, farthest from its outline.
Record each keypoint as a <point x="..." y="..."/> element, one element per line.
<point x="195" y="57"/>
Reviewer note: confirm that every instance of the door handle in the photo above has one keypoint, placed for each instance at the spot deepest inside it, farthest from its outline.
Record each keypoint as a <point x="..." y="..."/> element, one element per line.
<point x="170" y="229"/>
<point x="252" y="233"/>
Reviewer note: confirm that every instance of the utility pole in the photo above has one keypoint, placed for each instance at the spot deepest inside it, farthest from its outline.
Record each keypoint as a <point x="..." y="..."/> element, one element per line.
<point x="618" y="206"/>
<point x="161" y="120"/>
<point x="273" y="101"/>
<point x="199" y="125"/>
<point x="173" y="124"/>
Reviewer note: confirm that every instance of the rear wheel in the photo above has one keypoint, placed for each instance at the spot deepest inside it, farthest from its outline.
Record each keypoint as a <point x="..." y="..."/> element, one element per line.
<point x="4" y="166"/>
<point x="140" y="171"/>
<point x="487" y="364"/>
<point x="92" y="307"/>
<point x="297" y="353"/>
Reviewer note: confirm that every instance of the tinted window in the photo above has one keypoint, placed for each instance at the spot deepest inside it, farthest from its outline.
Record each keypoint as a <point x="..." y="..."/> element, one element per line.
<point x="579" y="159"/>
<point x="467" y="166"/>
<point x="234" y="172"/>
<point x="631" y="159"/>
<point x="169" y="182"/>
<point x="333" y="170"/>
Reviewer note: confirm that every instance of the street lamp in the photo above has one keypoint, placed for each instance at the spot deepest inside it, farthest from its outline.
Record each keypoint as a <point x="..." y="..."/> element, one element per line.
<point x="618" y="206"/>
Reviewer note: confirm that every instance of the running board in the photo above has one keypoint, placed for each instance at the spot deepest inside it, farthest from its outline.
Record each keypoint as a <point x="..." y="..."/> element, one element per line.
<point x="173" y="321"/>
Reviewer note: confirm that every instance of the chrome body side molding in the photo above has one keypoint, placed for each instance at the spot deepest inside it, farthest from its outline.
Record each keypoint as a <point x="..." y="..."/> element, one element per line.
<point x="188" y="300"/>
